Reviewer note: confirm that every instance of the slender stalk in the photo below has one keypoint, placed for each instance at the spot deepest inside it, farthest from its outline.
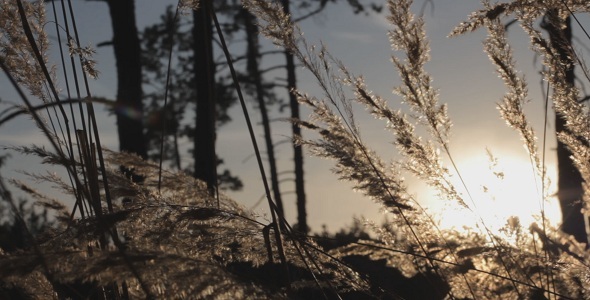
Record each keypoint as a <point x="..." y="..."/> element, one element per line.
<point x="278" y="222"/>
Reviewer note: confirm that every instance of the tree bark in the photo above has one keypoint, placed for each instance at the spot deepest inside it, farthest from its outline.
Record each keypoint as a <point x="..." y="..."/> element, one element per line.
<point x="129" y="107"/>
<point x="569" y="180"/>
<point x="204" y="139"/>
<point x="297" y="150"/>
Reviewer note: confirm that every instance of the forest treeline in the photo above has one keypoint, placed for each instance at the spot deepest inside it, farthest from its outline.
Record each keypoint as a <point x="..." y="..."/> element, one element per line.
<point x="188" y="90"/>
<point x="149" y="223"/>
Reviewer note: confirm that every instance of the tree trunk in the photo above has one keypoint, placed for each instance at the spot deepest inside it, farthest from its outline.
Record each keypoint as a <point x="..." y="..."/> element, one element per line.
<point x="204" y="139"/>
<point x="297" y="150"/>
<point x="569" y="180"/>
<point x="129" y="107"/>
<point x="254" y="72"/>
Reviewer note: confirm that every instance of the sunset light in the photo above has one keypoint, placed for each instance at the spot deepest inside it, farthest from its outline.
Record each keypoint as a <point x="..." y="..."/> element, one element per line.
<point x="500" y="190"/>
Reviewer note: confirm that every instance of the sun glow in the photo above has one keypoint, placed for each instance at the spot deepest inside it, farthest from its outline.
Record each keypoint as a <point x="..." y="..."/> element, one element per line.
<point x="500" y="189"/>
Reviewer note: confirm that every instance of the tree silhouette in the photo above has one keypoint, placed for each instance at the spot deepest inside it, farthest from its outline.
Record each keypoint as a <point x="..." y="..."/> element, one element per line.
<point x="174" y="37"/>
<point x="129" y="107"/>
<point x="204" y="136"/>
<point x="255" y="78"/>
<point x="569" y="179"/>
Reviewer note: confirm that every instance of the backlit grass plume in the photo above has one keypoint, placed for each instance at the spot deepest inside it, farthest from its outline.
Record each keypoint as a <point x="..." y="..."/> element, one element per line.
<point x="522" y="266"/>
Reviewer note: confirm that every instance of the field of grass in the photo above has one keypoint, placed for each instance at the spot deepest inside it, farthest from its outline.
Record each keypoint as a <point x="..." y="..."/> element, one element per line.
<point x="165" y="237"/>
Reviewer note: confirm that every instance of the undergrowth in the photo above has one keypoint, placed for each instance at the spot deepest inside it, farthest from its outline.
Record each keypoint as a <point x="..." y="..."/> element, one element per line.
<point x="165" y="237"/>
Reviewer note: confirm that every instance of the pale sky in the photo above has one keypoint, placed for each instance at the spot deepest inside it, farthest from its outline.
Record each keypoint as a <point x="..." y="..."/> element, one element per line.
<point x="466" y="79"/>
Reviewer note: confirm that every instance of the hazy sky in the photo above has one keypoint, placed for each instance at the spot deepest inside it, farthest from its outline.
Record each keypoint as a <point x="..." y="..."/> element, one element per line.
<point x="465" y="77"/>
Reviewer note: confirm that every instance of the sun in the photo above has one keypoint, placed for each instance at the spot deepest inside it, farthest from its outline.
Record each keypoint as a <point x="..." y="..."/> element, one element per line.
<point x="497" y="189"/>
